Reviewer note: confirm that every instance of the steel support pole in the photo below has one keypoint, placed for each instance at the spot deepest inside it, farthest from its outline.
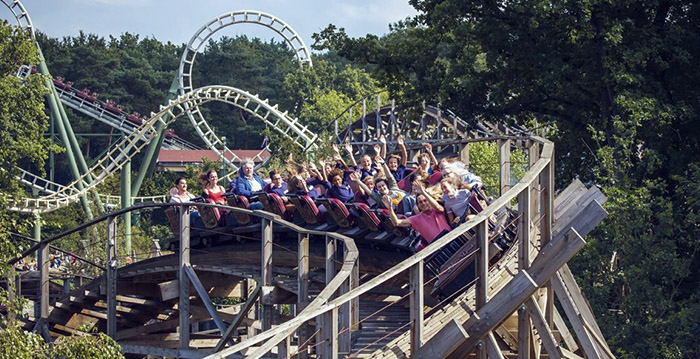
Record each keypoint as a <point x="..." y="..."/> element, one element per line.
<point x="72" y="165"/>
<point x="151" y="154"/>
<point x="52" y="156"/>
<point x="184" y="300"/>
<point x="111" y="277"/>
<point x="66" y="133"/>
<point x="126" y="202"/>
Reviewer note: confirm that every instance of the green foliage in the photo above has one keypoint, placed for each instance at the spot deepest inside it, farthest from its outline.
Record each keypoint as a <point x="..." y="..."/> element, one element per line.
<point x="319" y="94"/>
<point x="617" y="84"/>
<point x="16" y="343"/>
<point x="22" y="116"/>
<point x="483" y="161"/>
<point x="95" y="345"/>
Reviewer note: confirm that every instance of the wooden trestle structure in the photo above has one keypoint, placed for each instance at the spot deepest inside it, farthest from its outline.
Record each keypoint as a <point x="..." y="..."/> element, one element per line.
<point x="315" y="294"/>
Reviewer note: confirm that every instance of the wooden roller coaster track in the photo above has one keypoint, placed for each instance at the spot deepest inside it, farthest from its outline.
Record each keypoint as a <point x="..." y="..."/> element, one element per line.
<point x="325" y="295"/>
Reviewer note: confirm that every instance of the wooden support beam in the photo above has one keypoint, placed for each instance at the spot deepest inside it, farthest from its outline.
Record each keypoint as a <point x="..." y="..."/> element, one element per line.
<point x="546" y="228"/>
<point x="204" y="297"/>
<point x="492" y="349"/>
<point x="355" y="303"/>
<point x="584" y="324"/>
<point x="329" y="334"/>
<point x="416" y="306"/>
<point x="331" y="253"/>
<point x="585" y="339"/>
<point x="524" y="245"/>
<point x="44" y="288"/>
<point x="266" y="270"/>
<point x="111" y="277"/>
<point x="344" y="312"/>
<point x="303" y="291"/>
<point x="184" y="261"/>
<point x="452" y="333"/>
<point x="464" y="154"/>
<point x="522" y="286"/>
<point x="580" y="300"/>
<point x="482" y="275"/>
<point x="252" y="298"/>
<point x="564" y="332"/>
<point x="504" y="165"/>
<point x="482" y="264"/>
<point x="543" y="329"/>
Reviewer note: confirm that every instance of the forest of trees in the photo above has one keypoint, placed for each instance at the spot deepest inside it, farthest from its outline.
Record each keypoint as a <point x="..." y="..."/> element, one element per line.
<point x="615" y="84"/>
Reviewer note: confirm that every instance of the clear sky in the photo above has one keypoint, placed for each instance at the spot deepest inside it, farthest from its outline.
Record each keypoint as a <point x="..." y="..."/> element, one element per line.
<point x="178" y="20"/>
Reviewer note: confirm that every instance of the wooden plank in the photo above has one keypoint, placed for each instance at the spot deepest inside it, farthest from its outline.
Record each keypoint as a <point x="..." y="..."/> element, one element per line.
<point x="148" y="328"/>
<point x="266" y="271"/>
<point x="580" y="300"/>
<point x="449" y="336"/>
<point x="303" y="272"/>
<point x="482" y="264"/>
<point x="524" y="335"/>
<point x="492" y="349"/>
<point x="585" y="218"/>
<point x="566" y="336"/>
<point x="69" y="330"/>
<point x="601" y="342"/>
<point x="587" y="342"/>
<point x="78" y="320"/>
<point x="504" y="165"/>
<point x="569" y="355"/>
<point x="507" y="337"/>
<point x="568" y="197"/>
<point x="570" y="208"/>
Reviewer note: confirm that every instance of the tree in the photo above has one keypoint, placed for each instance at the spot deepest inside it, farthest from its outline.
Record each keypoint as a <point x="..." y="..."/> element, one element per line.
<point x="613" y="81"/>
<point x="22" y="126"/>
<point x="319" y="95"/>
<point x="22" y="118"/>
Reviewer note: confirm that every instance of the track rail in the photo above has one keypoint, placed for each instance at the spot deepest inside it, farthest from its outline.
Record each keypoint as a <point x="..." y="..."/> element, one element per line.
<point x="134" y="142"/>
<point x="119" y="122"/>
<point x="280" y="121"/>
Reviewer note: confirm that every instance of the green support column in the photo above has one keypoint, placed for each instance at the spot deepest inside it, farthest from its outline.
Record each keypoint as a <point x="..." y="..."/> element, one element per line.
<point x="73" y="166"/>
<point x="52" y="160"/>
<point x="151" y="156"/>
<point x="126" y="202"/>
<point x="55" y="108"/>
